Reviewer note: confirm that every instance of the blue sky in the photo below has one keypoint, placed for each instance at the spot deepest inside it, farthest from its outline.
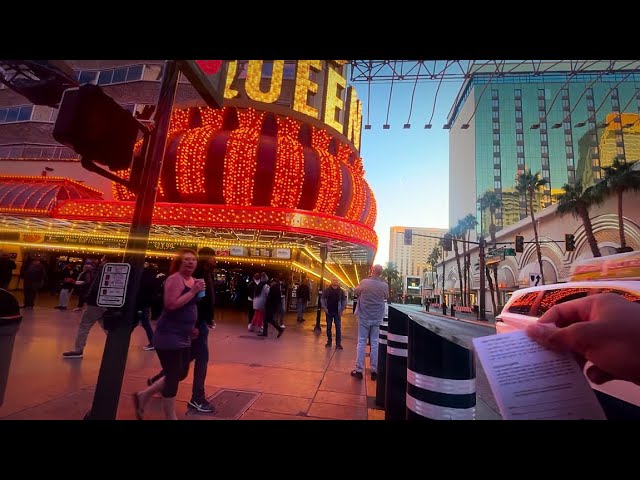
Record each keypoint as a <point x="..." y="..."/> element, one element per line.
<point x="408" y="169"/>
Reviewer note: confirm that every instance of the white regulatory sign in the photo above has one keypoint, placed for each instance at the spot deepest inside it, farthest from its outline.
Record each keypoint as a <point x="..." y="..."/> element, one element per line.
<point x="113" y="284"/>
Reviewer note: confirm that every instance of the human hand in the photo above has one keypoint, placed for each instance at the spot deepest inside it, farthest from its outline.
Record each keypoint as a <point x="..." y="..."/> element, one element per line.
<point x="198" y="286"/>
<point x="194" y="333"/>
<point x="603" y="329"/>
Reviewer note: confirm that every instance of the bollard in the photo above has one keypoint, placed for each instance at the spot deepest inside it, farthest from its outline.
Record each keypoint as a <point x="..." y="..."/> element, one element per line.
<point x="382" y="363"/>
<point x="10" y="319"/>
<point x="396" y="374"/>
<point x="440" y="377"/>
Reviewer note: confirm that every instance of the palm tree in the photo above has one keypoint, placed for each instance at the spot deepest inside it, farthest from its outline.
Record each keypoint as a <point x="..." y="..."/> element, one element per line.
<point x="441" y="244"/>
<point x="434" y="256"/>
<point x="618" y="178"/>
<point x="529" y="184"/>
<point x="456" y="233"/>
<point x="493" y="201"/>
<point x="390" y="272"/>
<point x="577" y="201"/>
<point x="468" y="223"/>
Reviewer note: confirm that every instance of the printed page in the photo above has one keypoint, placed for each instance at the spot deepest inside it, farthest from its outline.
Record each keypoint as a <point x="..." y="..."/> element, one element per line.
<point x="530" y="382"/>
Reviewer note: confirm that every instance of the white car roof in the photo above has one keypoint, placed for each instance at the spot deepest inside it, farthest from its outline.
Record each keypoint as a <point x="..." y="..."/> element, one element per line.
<point x="629" y="285"/>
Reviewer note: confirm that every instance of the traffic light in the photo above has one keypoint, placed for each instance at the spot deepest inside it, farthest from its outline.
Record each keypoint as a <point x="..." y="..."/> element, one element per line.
<point x="446" y="244"/>
<point x="408" y="236"/>
<point x="519" y="243"/>
<point x="42" y="82"/>
<point x="95" y="126"/>
<point x="569" y="242"/>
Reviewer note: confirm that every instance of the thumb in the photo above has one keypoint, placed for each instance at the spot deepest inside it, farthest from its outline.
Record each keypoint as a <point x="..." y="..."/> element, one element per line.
<point x="577" y="338"/>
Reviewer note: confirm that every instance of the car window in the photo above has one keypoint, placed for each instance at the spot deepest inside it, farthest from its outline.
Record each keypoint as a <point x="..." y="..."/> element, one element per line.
<point x="560" y="295"/>
<point x="523" y="304"/>
<point x="632" y="297"/>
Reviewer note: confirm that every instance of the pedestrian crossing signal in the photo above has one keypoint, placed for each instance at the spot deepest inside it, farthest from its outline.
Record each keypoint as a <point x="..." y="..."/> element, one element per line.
<point x="446" y="242"/>
<point x="569" y="242"/>
<point x="519" y="243"/>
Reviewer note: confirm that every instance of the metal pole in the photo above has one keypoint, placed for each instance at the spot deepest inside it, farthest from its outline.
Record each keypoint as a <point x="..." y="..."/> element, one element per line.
<point x="483" y="316"/>
<point x="114" y="358"/>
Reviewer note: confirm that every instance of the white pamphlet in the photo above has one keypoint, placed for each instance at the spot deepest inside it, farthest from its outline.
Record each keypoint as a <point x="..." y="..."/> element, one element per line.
<point x="531" y="382"/>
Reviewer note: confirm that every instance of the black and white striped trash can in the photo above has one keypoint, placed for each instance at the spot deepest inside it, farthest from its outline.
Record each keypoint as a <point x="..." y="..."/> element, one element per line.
<point x="396" y="374"/>
<point x="441" y="375"/>
<point x="382" y="363"/>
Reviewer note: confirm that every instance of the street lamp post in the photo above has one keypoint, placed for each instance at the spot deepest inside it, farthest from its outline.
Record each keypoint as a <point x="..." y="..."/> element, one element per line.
<point x="323" y="257"/>
<point x="481" y="265"/>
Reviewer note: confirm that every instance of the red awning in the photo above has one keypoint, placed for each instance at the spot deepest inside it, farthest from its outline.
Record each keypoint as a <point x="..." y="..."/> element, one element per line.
<point x="28" y="194"/>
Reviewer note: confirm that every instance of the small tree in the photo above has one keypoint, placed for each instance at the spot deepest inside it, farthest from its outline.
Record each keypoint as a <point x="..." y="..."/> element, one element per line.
<point x="576" y="201"/>
<point x="619" y="178"/>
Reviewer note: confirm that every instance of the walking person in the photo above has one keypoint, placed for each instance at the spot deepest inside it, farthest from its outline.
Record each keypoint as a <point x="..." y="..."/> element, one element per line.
<point x="81" y="287"/>
<point x="304" y="295"/>
<point x="174" y="332"/>
<point x="145" y="302"/>
<point x="259" y="299"/>
<point x="35" y="276"/>
<point x="372" y="294"/>
<point x="273" y="304"/>
<point x="92" y="314"/>
<point x="68" y="276"/>
<point x="334" y="301"/>
<point x="251" y="291"/>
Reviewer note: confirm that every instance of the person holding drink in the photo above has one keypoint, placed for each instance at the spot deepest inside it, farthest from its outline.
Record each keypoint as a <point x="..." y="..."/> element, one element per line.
<point x="174" y="332"/>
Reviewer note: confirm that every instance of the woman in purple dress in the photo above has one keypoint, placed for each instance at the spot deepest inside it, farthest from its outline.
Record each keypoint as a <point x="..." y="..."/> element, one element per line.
<point x="174" y="330"/>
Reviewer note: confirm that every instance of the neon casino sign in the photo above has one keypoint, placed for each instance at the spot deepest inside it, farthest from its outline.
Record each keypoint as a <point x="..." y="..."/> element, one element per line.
<point x="316" y="89"/>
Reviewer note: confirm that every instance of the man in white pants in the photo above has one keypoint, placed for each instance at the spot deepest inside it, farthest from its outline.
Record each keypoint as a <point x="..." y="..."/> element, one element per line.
<point x="372" y="294"/>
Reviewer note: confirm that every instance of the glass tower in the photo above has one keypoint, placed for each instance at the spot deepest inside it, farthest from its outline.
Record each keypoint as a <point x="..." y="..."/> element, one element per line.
<point x="567" y="126"/>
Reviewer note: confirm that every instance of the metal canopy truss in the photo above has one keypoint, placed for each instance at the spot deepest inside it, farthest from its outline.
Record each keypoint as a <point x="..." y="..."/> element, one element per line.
<point x="456" y="70"/>
<point x="463" y="72"/>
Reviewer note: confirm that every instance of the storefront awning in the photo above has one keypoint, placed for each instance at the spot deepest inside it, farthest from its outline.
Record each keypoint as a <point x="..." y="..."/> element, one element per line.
<point x="28" y="195"/>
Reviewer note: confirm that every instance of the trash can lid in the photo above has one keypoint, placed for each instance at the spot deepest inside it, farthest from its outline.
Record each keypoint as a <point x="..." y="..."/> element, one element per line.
<point x="9" y="308"/>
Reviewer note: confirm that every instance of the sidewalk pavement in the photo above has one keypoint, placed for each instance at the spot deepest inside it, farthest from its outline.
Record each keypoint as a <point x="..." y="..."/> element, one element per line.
<point x="294" y="377"/>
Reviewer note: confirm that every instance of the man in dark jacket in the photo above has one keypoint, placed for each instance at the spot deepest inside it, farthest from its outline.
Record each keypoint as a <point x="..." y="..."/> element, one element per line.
<point x="334" y="301"/>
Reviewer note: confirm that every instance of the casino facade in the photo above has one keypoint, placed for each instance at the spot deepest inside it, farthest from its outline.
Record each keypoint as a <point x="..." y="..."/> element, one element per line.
<point x="265" y="181"/>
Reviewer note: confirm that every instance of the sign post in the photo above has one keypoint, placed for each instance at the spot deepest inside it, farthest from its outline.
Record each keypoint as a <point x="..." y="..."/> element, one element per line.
<point x="113" y="285"/>
<point x="121" y="322"/>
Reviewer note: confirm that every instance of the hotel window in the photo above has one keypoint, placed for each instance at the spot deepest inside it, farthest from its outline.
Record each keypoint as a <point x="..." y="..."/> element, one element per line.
<point x="87" y="76"/>
<point x="519" y="137"/>
<point x="518" y="93"/>
<point x="19" y="113"/>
